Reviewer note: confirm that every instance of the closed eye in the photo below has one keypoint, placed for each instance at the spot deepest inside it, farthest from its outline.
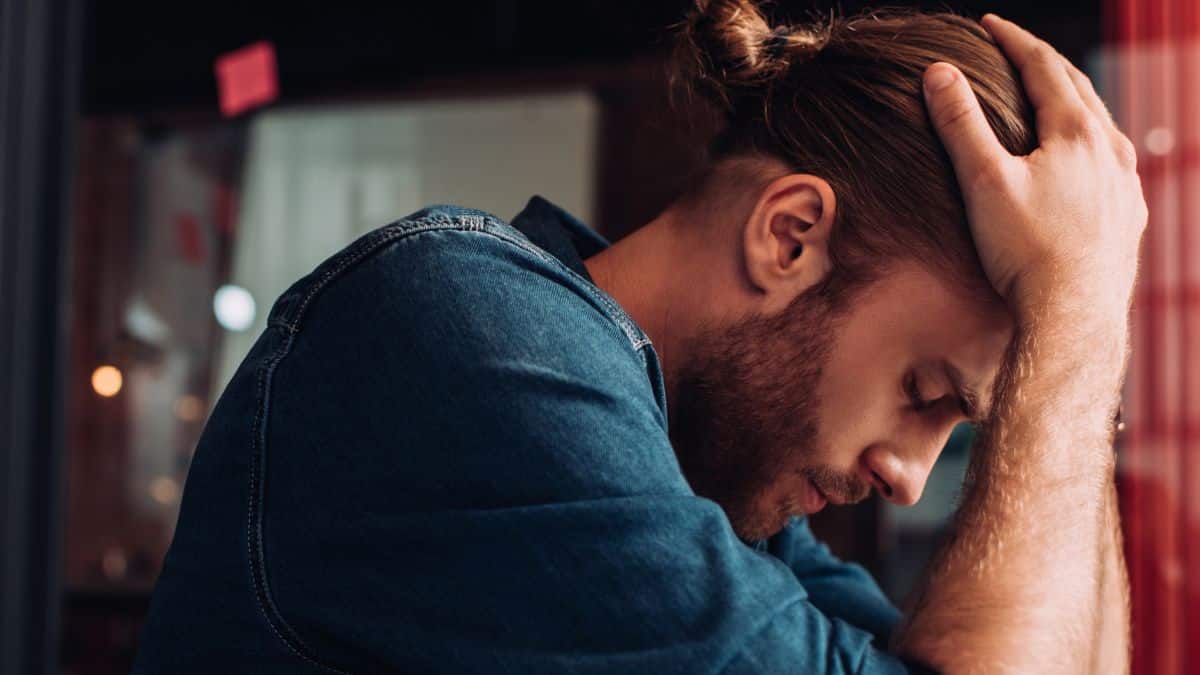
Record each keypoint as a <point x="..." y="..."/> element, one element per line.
<point x="914" y="394"/>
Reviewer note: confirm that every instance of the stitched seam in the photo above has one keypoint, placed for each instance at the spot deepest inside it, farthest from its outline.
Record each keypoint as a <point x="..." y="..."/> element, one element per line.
<point x="472" y="223"/>
<point x="369" y="246"/>
<point x="254" y="540"/>
<point x="254" y="507"/>
<point x="350" y="259"/>
<point x="292" y="325"/>
<point x="615" y="313"/>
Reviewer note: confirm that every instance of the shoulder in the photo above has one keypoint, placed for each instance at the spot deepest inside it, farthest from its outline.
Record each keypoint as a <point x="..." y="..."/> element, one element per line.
<point x="448" y="335"/>
<point x="453" y="262"/>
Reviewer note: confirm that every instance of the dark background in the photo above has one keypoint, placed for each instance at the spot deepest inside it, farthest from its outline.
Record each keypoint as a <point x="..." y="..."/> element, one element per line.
<point x="158" y="55"/>
<point x="155" y="60"/>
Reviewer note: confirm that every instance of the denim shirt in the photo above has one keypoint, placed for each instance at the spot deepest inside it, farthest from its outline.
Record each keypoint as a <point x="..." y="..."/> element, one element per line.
<point x="448" y="453"/>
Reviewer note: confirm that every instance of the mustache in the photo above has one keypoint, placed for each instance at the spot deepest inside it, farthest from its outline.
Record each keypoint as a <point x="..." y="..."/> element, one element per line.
<point x="838" y="487"/>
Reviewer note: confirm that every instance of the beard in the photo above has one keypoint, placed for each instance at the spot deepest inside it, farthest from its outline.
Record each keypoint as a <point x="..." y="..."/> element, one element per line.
<point x="745" y="421"/>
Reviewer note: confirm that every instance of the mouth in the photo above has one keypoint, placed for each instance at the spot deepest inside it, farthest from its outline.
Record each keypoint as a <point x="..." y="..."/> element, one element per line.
<point x="814" y="499"/>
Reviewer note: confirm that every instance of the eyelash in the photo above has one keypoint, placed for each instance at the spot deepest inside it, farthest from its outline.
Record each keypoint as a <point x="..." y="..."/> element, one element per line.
<point x="914" y="394"/>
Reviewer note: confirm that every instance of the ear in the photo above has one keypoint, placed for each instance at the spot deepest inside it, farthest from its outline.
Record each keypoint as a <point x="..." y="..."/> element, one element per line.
<point x="786" y="238"/>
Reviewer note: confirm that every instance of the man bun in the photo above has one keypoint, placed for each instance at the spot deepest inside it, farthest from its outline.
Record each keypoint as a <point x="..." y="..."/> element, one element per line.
<point x="841" y="98"/>
<point x="728" y="51"/>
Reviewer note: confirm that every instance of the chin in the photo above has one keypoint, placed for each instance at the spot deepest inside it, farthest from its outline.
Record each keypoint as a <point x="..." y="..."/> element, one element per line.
<point x="760" y="525"/>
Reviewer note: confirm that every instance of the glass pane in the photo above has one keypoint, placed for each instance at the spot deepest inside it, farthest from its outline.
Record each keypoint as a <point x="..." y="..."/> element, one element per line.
<point x="186" y="236"/>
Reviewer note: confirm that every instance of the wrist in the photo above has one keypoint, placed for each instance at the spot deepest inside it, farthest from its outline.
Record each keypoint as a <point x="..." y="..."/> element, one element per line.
<point x="1062" y="385"/>
<point x="1073" y="306"/>
<point x="1079" y="328"/>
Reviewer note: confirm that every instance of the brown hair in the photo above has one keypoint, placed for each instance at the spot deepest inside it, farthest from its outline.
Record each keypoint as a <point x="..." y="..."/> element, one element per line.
<point x="841" y="98"/>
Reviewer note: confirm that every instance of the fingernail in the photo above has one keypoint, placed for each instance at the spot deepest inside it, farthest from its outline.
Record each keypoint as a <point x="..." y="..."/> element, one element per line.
<point x="938" y="77"/>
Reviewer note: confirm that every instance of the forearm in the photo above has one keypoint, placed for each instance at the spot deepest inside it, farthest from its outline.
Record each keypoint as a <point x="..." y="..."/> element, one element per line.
<point x="1112" y="655"/>
<point x="1017" y="589"/>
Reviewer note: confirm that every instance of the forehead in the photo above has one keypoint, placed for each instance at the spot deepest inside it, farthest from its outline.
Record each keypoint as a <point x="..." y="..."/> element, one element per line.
<point x="910" y="315"/>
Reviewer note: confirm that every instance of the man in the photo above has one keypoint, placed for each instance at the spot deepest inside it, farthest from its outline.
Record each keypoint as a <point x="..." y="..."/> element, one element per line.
<point x="450" y="451"/>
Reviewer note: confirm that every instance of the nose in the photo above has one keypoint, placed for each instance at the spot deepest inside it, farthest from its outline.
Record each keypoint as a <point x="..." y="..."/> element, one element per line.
<point x="900" y="475"/>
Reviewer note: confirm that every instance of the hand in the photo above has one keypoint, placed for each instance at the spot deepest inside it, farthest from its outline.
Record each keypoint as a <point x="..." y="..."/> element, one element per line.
<point x="1059" y="227"/>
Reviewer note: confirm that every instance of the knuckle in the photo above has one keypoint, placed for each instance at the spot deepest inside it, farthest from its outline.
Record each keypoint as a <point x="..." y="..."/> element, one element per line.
<point x="1043" y="54"/>
<point x="1081" y="124"/>
<point x="1126" y="152"/>
<point x="953" y="114"/>
<point x="988" y="177"/>
<point x="1090" y="128"/>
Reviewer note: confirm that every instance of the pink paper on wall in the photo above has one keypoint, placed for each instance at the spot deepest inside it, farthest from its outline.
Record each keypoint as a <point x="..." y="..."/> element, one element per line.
<point x="247" y="78"/>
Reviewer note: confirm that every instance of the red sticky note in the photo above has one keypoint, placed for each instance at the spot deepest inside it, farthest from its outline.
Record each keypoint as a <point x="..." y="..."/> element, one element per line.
<point x="247" y="78"/>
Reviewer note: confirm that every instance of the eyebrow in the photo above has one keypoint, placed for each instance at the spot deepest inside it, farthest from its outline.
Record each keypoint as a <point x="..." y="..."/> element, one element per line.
<point x="968" y="397"/>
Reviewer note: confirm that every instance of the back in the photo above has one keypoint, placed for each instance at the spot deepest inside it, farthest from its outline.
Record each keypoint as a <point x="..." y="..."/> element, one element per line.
<point x="448" y="453"/>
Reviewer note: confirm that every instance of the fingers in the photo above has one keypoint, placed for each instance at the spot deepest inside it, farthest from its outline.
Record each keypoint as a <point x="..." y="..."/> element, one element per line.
<point x="1126" y="152"/>
<point x="1050" y="88"/>
<point x="960" y="123"/>
<point x="1057" y="106"/>
<point x="1083" y="86"/>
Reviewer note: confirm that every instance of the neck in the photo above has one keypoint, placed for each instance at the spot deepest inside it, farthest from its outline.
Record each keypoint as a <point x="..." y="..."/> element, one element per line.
<point x="650" y="274"/>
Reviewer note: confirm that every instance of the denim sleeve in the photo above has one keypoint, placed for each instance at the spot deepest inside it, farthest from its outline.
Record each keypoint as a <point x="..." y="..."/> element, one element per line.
<point x="847" y="649"/>
<point x="839" y="589"/>
<point x="466" y="471"/>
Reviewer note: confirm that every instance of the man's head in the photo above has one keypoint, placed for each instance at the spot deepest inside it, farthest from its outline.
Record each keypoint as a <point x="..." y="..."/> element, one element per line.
<point x="856" y="327"/>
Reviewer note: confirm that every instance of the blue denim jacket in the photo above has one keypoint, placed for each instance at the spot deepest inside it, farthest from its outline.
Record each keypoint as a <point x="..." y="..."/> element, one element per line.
<point x="448" y="453"/>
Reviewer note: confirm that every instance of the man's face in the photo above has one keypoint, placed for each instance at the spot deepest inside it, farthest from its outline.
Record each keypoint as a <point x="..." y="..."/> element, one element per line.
<point x="775" y="416"/>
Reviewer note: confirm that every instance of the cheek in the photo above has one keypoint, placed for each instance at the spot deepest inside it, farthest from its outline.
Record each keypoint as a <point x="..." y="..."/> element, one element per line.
<point x="859" y="404"/>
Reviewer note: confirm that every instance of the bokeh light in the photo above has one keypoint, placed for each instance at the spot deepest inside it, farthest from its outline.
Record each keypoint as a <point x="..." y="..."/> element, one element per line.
<point x="164" y="490"/>
<point x="189" y="408"/>
<point x="234" y="307"/>
<point x="1160" y="141"/>
<point x="107" y="380"/>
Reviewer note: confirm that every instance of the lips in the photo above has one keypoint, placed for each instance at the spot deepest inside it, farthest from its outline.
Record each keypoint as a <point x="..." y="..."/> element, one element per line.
<point x="814" y="499"/>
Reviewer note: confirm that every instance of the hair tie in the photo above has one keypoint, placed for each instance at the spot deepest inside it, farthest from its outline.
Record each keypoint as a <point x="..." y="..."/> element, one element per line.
<point x="776" y="44"/>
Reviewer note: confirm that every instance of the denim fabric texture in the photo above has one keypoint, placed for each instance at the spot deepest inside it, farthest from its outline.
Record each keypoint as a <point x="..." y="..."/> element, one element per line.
<point x="448" y="453"/>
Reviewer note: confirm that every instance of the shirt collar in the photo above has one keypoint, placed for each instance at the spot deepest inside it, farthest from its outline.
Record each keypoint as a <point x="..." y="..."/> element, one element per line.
<point x="559" y="233"/>
<point x="568" y="239"/>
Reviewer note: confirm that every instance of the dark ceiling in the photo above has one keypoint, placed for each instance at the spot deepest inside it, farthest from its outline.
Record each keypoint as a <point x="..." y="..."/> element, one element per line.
<point x="155" y="55"/>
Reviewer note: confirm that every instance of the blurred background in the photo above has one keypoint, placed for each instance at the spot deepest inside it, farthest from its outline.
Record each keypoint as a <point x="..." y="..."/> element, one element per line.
<point x="167" y="169"/>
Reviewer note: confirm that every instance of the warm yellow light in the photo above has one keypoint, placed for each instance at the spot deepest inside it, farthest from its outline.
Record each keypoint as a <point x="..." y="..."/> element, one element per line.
<point x="164" y="490"/>
<point x="189" y="408"/>
<point x="106" y="380"/>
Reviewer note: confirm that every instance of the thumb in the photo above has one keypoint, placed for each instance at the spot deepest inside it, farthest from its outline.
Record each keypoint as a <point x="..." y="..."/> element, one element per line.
<point x="959" y="122"/>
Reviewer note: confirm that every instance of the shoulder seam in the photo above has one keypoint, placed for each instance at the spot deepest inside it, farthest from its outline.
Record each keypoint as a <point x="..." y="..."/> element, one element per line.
<point x="614" y="312"/>
<point x="399" y="230"/>
<point x="369" y="245"/>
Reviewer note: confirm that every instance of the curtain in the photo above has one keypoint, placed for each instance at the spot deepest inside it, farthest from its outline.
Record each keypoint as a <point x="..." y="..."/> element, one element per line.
<point x="1150" y="78"/>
